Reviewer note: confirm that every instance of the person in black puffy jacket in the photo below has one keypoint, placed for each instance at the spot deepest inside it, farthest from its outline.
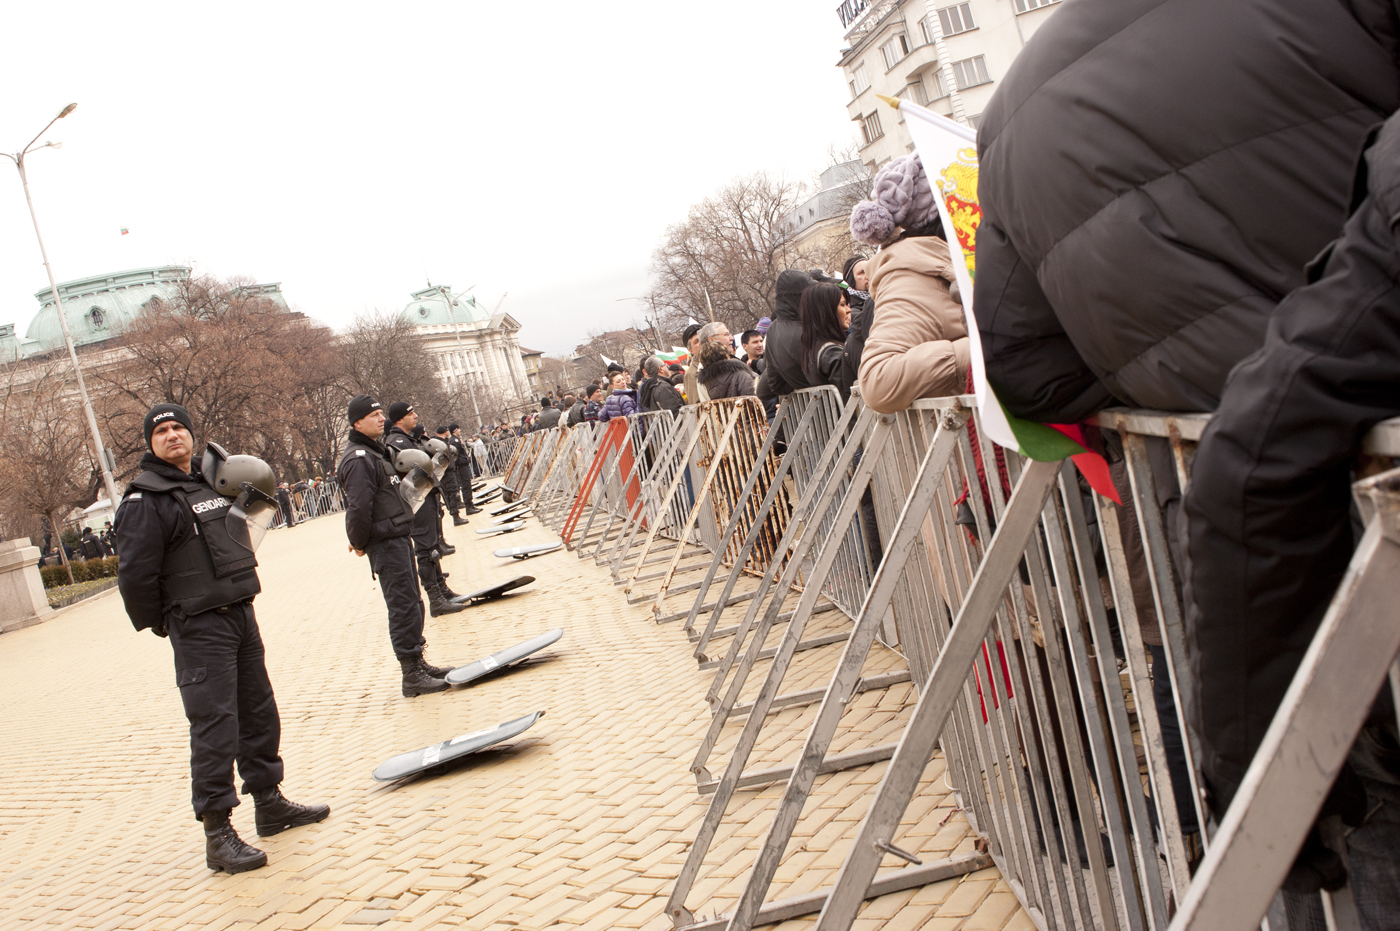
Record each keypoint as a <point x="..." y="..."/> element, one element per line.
<point x="1136" y="234"/>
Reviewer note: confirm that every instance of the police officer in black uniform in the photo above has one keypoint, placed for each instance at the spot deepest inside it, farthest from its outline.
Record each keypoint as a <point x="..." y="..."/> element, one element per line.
<point x="186" y="575"/>
<point x="428" y="544"/>
<point x="379" y="522"/>
<point x="451" y="482"/>
<point x="465" y="472"/>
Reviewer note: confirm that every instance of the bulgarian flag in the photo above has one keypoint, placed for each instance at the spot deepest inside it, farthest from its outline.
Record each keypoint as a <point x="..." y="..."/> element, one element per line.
<point x="948" y="151"/>
<point x="677" y="354"/>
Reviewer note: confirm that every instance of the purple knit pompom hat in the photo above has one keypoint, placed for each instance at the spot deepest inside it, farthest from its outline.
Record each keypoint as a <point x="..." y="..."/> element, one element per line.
<point x="903" y="198"/>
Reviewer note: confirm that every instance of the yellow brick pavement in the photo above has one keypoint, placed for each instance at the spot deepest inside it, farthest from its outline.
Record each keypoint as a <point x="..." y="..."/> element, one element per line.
<point x="581" y="823"/>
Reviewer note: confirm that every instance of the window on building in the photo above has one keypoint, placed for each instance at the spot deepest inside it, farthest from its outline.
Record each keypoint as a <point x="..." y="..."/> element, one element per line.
<point x="870" y="128"/>
<point x="859" y="80"/>
<point x="955" y="19"/>
<point x="970" y="72"/>
<point x="895" y="50"/>
<point x="936" y="88"/>
<point x="975" y="121"/>
<point x="1025" y="6"/>
<point x="917" y="93"/>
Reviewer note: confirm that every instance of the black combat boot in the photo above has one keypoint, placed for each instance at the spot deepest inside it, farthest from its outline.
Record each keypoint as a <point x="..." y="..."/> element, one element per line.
<point x="448" y="593"/>
<point x="438" y="604"/>
<point x="472" y="509"/>
<point x="417" y="681"/>
<point x="445" y="548"/>
<point x="437" y="672"/>
<point x="224" y="849"/>
<point x="274" y="812"/>
<point x="458" y="520"/>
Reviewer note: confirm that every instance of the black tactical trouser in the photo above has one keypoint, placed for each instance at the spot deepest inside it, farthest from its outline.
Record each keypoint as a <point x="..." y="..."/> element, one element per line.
<point x="451" y="492"/>
<point x="464" y="479"/>
<point x="392" y="562"/>
<point x="229" y="703"/>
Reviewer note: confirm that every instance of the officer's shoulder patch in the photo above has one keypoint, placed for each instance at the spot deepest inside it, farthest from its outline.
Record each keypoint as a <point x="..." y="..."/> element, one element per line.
<point x="359" y="452"/>
<point x="134" y="495"/>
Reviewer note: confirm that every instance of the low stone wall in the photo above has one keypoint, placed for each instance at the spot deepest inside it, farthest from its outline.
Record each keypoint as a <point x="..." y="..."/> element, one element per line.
<point x="22" y="599"/>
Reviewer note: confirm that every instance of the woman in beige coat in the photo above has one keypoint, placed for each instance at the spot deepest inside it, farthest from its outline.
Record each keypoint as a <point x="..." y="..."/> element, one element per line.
<point x="918" y="346"/>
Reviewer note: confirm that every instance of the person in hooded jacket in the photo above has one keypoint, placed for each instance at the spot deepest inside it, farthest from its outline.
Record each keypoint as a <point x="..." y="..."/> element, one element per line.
<point x="622" y="402"/>
<point x="782" y="345"/>
<point x="857" y="281"/>
<point x="917" y="345"/>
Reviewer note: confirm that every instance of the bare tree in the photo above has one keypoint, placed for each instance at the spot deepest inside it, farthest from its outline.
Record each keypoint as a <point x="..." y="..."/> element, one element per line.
<point x="240" y="363"/>
<point x="46" y="468"/>
<point x="723" y="260"/>
<point x="385" y="358"/>
<point x="626" y="347"/>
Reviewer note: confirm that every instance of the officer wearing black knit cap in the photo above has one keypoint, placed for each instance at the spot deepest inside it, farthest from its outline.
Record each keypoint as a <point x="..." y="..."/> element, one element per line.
<point x="428" y="545"/>
<point x="187" y="575"/>
<point x="451" y="484"/>
<point x="465" y="472"/>
<point x="378" y="522"/>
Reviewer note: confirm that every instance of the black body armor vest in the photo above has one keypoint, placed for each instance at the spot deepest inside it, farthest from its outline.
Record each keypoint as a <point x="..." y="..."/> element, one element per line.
<point x="210" y="569"/>
<point x="388" y="504"/>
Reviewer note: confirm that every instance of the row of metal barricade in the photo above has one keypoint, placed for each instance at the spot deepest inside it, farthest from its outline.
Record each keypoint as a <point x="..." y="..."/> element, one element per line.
<point x="1007" y="588"/>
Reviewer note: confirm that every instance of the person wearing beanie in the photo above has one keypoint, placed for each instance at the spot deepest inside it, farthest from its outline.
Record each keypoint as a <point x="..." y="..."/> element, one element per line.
<point x="185" y="577"/>
<point x="549" y="415"/>
<point x="428" y="545"/>
<point x="379" y="524"/>
<point x="782" y="345"/>
<point x="451" y="486"/>
<point x="917" y="344"/>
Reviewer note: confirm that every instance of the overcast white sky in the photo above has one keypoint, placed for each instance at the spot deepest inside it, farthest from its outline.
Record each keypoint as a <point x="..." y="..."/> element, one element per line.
<point x="539" y="149"/>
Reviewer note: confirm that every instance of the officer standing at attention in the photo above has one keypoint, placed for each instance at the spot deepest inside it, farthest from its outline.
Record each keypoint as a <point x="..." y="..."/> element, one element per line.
<point x="426" y="532"/>
<point x="451" y="484"/>
<point x="464" y="469"/>
<point x="187" y="575"/>
<point x="379" y="521"/>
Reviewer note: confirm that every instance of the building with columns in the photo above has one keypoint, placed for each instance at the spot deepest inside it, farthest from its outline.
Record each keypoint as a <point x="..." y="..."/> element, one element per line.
<point x="893" y="48"/>
<point x="475" y="349"/>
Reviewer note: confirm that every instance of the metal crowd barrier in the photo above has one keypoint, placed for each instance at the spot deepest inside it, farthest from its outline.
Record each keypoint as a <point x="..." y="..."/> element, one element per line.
<point x="1008" y="589"/>
<point x="310" y="503"/>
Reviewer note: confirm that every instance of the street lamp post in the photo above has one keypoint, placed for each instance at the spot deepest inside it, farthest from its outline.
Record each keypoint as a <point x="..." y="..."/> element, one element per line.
<point x="97" y="446"/>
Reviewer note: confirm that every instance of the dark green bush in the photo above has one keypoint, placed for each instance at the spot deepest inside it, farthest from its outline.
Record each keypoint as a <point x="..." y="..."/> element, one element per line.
<point x="83" y="571"/>
<point x="53" y="576"/>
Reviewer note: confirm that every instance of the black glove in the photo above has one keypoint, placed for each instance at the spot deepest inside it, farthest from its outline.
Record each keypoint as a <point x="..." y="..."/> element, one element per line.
<point x="159" y="628"/>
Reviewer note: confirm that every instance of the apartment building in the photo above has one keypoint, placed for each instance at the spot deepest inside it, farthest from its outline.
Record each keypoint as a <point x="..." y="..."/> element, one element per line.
<point x="946" y="56"/>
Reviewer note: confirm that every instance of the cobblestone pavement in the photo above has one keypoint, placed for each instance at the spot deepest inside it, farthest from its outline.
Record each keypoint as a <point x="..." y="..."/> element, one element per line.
<point x="582" y="822"/>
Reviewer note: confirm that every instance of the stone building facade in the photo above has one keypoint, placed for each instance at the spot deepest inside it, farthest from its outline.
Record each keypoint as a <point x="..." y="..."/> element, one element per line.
<point x="487" y="357"/>
<point x="892" y="48"/>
